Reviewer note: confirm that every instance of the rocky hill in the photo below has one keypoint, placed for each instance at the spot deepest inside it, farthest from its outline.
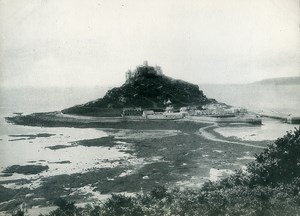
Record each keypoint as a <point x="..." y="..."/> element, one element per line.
<point x="146" y="87"/>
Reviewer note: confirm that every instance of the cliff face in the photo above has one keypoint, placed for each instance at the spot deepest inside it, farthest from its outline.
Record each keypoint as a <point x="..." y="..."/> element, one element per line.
<point x="147" y="88"/>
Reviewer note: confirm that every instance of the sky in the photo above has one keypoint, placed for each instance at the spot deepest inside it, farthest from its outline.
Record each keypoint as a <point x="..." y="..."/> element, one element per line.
<point x="86" y="43"/>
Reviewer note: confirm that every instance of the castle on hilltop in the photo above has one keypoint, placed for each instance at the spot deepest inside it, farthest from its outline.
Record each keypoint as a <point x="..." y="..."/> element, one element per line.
<point x="143" y="69"/>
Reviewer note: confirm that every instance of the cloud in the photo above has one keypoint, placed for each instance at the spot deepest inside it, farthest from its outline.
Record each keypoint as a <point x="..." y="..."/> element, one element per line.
<point x="95" y="42"/>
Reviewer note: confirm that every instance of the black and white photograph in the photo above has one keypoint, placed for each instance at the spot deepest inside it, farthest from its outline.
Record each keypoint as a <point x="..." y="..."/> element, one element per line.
<point x="149" y="108"/>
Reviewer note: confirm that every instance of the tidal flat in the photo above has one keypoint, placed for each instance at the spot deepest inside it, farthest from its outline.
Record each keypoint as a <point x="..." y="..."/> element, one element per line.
<point x="118" y="160"/>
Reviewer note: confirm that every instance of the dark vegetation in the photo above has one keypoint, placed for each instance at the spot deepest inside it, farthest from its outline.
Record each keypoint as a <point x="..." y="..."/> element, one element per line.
<point x="146" y="89"/>
<point x="270" y="186"/>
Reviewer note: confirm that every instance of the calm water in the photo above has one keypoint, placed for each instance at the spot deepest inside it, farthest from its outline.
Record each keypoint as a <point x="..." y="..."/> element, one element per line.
<point x="270" y="129"/>
<point x="280" y="98"/>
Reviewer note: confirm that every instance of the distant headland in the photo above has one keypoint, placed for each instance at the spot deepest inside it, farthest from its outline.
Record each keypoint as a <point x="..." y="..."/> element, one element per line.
<point x="279" y="81"/>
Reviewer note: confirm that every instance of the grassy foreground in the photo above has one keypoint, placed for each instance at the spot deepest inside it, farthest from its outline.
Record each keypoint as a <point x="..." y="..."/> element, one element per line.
<point x="270" y="186"/>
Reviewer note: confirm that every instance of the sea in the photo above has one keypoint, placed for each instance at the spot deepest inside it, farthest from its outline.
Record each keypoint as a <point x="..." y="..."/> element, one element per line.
<point x="257" y="97"/>
<point x="284" y="99"/>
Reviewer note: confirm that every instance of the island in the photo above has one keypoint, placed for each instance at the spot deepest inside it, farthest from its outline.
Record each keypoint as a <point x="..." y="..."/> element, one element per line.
<point x="147" y="95"/>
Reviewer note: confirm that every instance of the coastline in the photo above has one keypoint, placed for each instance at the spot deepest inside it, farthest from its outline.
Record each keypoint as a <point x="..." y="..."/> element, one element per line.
<point x="56" y="119"/>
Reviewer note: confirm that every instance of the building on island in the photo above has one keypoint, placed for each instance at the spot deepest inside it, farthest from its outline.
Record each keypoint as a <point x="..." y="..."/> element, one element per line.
<point x="145" y="63"/>
<point x="158" y="70"/>
<point x="151" y="115"/>
<point x="143" y="69"/>
<point x="147" y="112"/>
<point x="136" y="111"/>
<point x="219" y="110"/>
<point x="169" y="109"/>
<point x="184" y="111"/>
<point x="168" y="102"/>
<point x="128" y="74"/>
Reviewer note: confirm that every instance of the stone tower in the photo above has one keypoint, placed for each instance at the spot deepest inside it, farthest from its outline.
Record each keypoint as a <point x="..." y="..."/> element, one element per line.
<point x="128" y="75"/>
<point x="145" y="63"/>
